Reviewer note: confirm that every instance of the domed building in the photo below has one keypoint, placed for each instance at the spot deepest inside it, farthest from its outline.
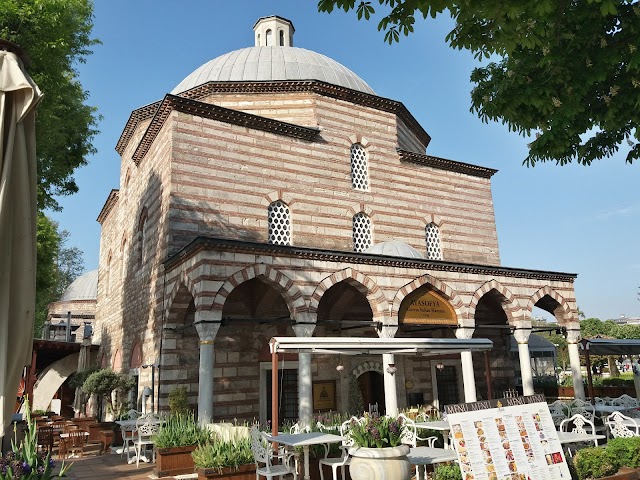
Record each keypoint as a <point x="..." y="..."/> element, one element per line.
<point x="273" y="193"/>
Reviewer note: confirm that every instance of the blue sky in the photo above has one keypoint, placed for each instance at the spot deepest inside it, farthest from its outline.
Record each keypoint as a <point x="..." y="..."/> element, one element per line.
<point x="574" y="219"/>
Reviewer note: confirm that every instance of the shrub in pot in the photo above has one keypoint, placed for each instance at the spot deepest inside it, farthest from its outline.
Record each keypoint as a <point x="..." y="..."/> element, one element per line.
<point x="447" y="471"/>
<point x="225" y="459"/>
<point x="595" y="462"/>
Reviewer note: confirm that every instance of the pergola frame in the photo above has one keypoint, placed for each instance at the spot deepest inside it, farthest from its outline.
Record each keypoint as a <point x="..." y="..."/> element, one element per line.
<point x="427" y="347"/>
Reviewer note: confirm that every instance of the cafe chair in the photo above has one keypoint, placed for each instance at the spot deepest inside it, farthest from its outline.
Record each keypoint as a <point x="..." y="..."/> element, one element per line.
<point x="45" y="439"/>
<point x="345" y="459"/>
<point x="146" y="427"/>
<point x="409" y="436"/>
<point x="578" y="424"/>
<point x="624" y="401"/>
<point x="263" y="457"/>
<point x="75" y="442"/>
<point x="620" y="425"/>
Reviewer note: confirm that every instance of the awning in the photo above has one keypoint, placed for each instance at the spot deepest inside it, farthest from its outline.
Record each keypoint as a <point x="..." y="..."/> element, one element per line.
<point x="379" y="346"/>
<point x="610" y="346"/>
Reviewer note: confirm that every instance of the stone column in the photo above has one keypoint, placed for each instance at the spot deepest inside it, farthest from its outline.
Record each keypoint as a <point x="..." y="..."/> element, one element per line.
<point x="521" y="335"/>
<point x="468" y="377"/>
<point x="207" y="333"/>
<point x="305" y="392"/>
<point x="573" y="339"/>
<point x="389" y="374"/>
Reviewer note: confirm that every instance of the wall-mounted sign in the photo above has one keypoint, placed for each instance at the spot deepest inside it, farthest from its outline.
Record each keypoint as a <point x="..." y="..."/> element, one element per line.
<point x="428" y="308"/>
<point x="324" y="395"/>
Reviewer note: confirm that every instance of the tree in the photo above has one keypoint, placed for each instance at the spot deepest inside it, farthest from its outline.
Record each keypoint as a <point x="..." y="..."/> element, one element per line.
<point x="58" y="266"/>
<point x="104" y="383"/>
<point x="563" y="72"/>
<point x="56" y="36"/>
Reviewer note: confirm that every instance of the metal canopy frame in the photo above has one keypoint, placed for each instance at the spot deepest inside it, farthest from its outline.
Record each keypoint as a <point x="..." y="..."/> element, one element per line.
<point x="427" y="347"/>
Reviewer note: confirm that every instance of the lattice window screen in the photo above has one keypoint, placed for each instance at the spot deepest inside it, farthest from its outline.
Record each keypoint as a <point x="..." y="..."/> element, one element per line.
<point x="361" y="232"/>
<point x="359" y="167"/>
<point x="432" y="234"/>
<point x="279" y="223"/>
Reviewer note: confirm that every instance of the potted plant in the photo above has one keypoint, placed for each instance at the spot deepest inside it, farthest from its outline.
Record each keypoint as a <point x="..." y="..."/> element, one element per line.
<point x="231" y="460"/>
<point x="177" y="438"/>
<point x="378" y="452"/>
<point x="447" y="471"/>
<point x="619" y="460"/>
<point x="24" y="462"/>
<point x="107" y="384"/>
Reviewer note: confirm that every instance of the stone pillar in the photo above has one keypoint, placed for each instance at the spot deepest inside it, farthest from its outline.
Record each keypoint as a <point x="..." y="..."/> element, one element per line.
<point x="389" y="374"/>
<point x="207" y="333"/>
<point x="573" y="339"/>
<point x="305" y="392"/>
<point x="521" y="335"/>
<point x="468" y="377"/>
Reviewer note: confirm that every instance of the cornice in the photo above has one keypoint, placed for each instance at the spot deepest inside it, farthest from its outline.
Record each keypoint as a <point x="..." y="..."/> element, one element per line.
<point x="290" y="86"/>
<point x="215" y="112"/>
<point x="210" y="243"/>
<point x="445" y="164"/>
<point x="112" y="199"/>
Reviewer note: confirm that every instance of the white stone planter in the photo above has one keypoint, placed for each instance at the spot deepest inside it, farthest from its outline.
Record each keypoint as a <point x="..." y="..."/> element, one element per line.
<point x="380" y="463"/>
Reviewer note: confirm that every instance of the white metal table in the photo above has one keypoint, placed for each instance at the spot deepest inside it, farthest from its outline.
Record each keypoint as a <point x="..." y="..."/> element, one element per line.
<point x="439" y="425"/>
<point x="423" y="456"/>
<point x="609" y="409"/>
<point x="130" y="426"/>
<point x="573" y="437"/>
<point x="304" y="440"/>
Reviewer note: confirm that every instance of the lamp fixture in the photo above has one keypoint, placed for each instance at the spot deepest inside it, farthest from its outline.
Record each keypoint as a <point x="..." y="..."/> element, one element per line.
<point x="340" y="366"/>
<point x="440" y="366"/>
<point x="391" y="369"/>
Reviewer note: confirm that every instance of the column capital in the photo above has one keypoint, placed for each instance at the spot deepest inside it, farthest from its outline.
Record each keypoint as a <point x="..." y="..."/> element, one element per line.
<point x="388" y="331"/>
<point x="464" y="333"/>
<point x="304" y="329"/>
<point x="207" y="326"/>
<point x="573" y="335"/>
<point x="522" y="335"/>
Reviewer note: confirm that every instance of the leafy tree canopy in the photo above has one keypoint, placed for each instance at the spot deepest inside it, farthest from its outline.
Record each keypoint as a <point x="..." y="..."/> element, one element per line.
<point x="56" y="36"/>
<point x="566" y="73"/>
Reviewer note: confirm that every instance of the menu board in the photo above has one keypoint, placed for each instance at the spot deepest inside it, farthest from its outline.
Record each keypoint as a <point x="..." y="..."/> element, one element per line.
<point x="507" y="439"/>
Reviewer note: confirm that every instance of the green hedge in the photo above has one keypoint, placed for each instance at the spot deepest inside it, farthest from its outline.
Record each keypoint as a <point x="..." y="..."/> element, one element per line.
<point x="598" y="462"/>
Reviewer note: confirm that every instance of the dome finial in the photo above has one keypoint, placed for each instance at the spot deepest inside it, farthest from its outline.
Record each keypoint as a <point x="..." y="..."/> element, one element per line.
<point x="273" y="31"/>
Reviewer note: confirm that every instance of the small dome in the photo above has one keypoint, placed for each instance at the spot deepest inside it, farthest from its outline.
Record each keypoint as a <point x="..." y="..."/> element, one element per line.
<point x="394" y="248"/>
<point x="272" y="64"/>
<point x="85" y="287"/>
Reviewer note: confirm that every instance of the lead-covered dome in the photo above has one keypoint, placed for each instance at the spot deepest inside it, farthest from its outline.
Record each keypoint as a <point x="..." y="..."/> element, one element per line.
<point x="273" y="58"/>
<point x="394" y="248"/>
<point x="85" y="287"/>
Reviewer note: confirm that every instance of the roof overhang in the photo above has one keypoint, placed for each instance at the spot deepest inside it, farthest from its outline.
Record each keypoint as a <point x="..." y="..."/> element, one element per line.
<point x="378" y="346"/>
<point x="607" y="346"/>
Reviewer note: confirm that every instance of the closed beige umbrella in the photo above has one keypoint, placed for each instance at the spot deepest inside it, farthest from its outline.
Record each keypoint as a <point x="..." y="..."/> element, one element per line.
<point x="18" y="98"/>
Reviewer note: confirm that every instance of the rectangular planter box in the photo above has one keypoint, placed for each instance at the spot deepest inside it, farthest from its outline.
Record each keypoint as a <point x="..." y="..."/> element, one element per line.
<point x="625" y="474"/>
<point x="174" y="461"/>
<point x="243" y="472"/>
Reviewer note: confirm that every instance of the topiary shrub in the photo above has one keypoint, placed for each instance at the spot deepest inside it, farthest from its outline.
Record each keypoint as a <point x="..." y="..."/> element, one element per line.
<point x="178" y="401"/>
<point x="103" y="383"/>
<point x="625" y="450"/>
<point x="449" y="471"/>
<point x="595" y="462"/>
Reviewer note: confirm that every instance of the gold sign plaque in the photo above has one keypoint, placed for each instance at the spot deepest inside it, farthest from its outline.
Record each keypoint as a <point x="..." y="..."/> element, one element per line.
<point x="324" y="395"/>
<point x="428" y="309"/>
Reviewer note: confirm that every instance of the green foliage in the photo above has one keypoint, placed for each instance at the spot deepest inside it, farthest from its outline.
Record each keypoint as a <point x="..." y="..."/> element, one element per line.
<point x="595" y="462"/>
<point x="448" y="471"/>
<point x="377" y="432"/>
<point x="57" y="36"/>
<point x="565" y="73"/>
<point x="354" y="400"/>
<point x="178" y="401"/>
<point x="626" y="450"/>
<point x="24" y="462"/>
<point x="181" y="430"/>
<point x="220" y="454"/>
<point x="103" y="383"/>
<point x="77" y="379"/>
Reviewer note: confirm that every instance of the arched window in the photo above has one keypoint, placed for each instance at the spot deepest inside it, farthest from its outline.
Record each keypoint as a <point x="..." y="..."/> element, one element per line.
<point x="361" y="232"/>
<point x="282" y="38"/>
<point x="279" y="223"/>
<point x="142" y="237"/>
<point x="108" y="274"/>
<point x="269" y="35"/>
<point x="432" y="236"/>
<point x="258" y="43"/>
<point x="123" y="265"/>
<point x="359" y="167"/>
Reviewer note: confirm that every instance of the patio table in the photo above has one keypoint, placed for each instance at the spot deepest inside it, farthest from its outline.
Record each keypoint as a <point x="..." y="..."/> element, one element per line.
<point x="573" y="437"/>
<point x="609" y="409"/>
<point x="423" y="456"/>
<point x="130" y="426"/>
<point x="304" y="440"/>
<point x="439" y="425"/>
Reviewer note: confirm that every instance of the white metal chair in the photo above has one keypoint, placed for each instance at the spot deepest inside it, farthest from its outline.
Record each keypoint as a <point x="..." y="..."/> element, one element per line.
<point x="624" y="401"/>
<point x="620" y="425"/>
<point x="146" y="427"/>
<point x="345" y="459"/>
<point x="263" y="456"/>
<point x="409" y="436"/>
<point x="579" y="424"/>
<point x="128" y="433"/>
<point x="558" y="411"/>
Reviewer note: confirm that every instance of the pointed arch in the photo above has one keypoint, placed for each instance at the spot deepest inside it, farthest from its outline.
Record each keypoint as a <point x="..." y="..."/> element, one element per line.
<point x="370" y="289"/>
<point x="182" y="293"/>
<point x="367" y="366"/>
<point x="511" y="306"/>
<point x="558" y="306"/>
<point x="282" y="283"/>
<point x="439" y="286"/>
